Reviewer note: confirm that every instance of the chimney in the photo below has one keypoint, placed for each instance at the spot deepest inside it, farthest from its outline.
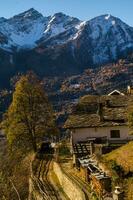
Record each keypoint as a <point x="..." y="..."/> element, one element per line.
<point x="100" y="111"/>
<point x="128" y="89"/>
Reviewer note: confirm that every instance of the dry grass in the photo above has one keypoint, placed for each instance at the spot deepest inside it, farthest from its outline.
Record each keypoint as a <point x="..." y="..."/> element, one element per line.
<point x="123" y="157"/>
<point x="129" y="187"/>
<point x="14" y="168"/>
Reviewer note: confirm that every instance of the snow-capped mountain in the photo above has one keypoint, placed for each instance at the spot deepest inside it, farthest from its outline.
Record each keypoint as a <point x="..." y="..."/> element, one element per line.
<point x="22" y="30"/>
<point x="26" y="29"/>
<point x="110" y="37"/>
<point x="97" y="41"/>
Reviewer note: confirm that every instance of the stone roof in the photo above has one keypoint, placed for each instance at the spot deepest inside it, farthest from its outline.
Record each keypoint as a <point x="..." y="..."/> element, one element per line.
<point x="99" y="111"/>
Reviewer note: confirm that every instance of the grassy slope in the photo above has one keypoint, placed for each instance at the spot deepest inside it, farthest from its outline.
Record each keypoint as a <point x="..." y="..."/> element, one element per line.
<point x="15" y="168"/>
<point x="123" y="157"/>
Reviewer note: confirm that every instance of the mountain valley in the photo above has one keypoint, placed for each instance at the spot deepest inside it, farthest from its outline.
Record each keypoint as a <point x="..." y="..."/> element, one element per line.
<point x="72" y="57"/>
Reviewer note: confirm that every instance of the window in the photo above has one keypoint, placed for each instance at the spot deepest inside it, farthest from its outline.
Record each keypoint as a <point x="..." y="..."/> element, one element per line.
<point x="115" y="133"/>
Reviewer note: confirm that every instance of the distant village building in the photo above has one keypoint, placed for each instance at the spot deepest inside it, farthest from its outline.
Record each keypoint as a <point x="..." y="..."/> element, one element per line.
<point x="100" y="117"/>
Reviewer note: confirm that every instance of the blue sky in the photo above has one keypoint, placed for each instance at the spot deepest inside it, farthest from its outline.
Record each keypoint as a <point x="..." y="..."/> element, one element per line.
<point x="83" y="9"/>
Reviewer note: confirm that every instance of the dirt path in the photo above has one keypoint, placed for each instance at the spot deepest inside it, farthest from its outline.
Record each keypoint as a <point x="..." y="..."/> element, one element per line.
<point x="42" y="183"/>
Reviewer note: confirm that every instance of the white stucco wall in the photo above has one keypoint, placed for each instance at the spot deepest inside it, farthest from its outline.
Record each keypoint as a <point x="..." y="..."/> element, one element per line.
<point x="82" y="134"/>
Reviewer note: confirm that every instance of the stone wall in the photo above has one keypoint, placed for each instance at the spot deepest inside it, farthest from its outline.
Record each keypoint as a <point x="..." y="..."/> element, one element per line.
<point x="70" y="188"/>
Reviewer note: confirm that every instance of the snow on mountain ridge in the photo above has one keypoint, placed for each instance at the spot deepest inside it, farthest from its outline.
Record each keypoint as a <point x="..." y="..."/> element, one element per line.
<point x="27" y="28"/>
<point x="109" y="34"/>
<point x="100" y="37"/>
<point x="60" y="23"/>
<point x="31" y="14"/>
<point x="20" y="35"/>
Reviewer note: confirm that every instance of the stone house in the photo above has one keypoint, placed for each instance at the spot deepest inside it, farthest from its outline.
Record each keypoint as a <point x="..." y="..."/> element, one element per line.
<point x="100" y="118"/>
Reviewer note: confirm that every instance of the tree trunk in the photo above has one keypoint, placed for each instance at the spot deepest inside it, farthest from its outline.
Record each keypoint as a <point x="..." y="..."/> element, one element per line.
<point x="34" y="145"/>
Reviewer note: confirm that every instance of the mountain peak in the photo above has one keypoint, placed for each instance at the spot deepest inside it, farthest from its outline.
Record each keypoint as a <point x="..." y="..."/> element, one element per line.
<point x="106" y="20"/>
<point x="108" y="16"/>
<point x="29" y="14"/>
<point x="63" y="18"/>
<point x="59" y="14"/>
<point x="105" y="17"/>
<point x="59" y="17"/>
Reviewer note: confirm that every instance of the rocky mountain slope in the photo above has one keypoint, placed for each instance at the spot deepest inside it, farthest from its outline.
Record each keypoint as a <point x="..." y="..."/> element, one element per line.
<point x="60" y="45"/>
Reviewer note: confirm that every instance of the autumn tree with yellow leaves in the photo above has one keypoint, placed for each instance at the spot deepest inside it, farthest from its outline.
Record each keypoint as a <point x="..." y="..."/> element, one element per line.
<point x="30" y="115"/>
